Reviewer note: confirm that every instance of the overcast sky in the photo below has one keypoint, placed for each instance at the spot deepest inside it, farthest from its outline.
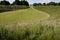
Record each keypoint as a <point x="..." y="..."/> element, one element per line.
<point x="37" y="1"/>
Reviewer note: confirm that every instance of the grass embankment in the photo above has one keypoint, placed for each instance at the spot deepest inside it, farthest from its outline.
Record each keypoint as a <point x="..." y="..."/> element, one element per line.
<point x="54" y="11"/>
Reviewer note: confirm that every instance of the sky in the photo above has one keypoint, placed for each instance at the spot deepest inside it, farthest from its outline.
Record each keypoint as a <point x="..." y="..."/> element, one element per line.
<point x="37" y="1"/>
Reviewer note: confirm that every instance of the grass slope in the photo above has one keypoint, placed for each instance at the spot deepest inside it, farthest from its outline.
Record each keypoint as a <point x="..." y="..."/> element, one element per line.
<point x="27" y="15"/>
<point x="53" y="11"/>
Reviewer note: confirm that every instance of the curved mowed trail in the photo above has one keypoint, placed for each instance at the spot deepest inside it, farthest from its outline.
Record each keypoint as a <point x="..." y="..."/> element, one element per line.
<point x="29" y="15"/>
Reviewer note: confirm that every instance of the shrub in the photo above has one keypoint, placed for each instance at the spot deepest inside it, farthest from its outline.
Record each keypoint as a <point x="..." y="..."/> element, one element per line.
<point x="4" y="8"/>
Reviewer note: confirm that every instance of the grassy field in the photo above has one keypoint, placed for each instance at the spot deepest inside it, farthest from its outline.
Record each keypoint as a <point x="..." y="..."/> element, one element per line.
<point x="11" y="28"/>
<point x="26" y="15"/>
<point x="51" y="10"/>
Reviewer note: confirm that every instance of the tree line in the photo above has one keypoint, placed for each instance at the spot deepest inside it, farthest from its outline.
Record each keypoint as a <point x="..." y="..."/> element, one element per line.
<point x="47" y="4"/>
<point x="16" y="2"/>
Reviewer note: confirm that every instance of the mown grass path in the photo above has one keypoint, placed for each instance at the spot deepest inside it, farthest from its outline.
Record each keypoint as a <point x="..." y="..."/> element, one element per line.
<point x="26" y="16"/>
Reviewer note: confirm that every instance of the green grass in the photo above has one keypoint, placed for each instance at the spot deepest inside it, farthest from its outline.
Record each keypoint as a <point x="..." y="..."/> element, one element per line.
<point x="26" y="15"/>
<point x="45" y="30"/>
<point x="53" y="11"/>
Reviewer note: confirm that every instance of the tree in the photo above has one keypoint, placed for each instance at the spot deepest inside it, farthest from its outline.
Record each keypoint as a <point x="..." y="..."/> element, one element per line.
<point x="44" y="4"/>
<point x="16" y="2"/>
<point x="51" y="3"/>
<point x="4" y="2"/>
<point x="35" y="4"/>
<point x="22" y="2"/>
<point x="25" y="3"/>
<point x="58" y="3"/>
<point x="39" y="4"/>
<point x="0" y="3"/>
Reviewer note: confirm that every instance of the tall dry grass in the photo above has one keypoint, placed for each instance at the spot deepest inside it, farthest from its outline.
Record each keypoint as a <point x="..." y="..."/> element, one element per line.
<point x="46" y="30"/>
